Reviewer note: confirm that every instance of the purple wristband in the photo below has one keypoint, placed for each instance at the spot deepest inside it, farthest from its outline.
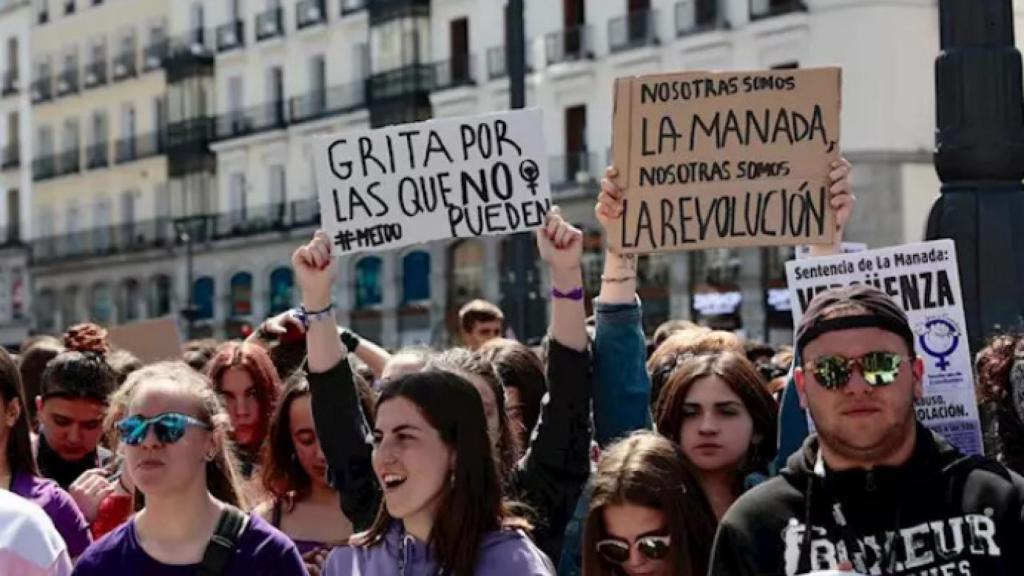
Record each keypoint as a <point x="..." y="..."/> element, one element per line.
<point x="574" y="294"/>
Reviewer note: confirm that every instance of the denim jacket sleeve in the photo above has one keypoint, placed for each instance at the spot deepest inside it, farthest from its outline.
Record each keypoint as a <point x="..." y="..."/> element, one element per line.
<point x="622" y="388"/>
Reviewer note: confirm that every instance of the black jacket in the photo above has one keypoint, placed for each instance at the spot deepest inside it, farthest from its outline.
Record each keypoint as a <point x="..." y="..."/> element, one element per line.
<point x="947" y="515"/>
<point x="548" y="479"/>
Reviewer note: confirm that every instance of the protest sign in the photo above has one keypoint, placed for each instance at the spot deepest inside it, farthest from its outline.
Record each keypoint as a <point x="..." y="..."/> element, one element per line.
<point x="150" y="340"/>
<point x="451" y="178"/>
<point x="725" y="159"/>
<point x="924" y="280"/>
<point x="803" y="252"/>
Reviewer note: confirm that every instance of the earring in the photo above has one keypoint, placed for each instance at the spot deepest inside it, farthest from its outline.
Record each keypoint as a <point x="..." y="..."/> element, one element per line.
<point x="451" y="479"/>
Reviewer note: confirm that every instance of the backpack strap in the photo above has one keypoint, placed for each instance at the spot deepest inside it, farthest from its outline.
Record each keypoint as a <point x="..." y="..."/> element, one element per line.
<point x="959" y="471"/>
<point x="224" y="542"/>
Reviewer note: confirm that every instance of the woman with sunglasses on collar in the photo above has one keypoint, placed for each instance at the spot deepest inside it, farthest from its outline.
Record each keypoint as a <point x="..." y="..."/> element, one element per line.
<point x="648" y="515"/>
<point x="176" y="447"/>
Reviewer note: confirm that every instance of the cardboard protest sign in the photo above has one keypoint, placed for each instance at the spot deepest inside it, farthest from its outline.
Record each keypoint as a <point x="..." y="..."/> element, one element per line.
<point x="150" y="340"/>
<point x="725" y="159"/>
<point x="451" y="178"/>
<point x="924" y="280"/>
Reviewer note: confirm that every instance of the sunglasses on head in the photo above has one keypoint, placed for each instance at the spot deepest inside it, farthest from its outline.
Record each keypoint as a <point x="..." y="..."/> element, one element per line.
<point x="169" y="427"/>
<point x="878" y="368"/>
<point x="617" y="551"/>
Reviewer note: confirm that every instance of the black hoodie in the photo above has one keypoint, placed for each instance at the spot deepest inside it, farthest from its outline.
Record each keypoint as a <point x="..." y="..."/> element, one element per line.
<point x="946" y="515"/>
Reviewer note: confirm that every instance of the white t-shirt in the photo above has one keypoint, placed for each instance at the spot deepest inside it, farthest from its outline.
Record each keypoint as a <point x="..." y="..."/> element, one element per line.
<point x="29" y="543"/>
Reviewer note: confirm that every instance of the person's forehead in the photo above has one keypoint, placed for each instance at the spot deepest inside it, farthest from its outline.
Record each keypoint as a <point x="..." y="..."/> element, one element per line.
<point x="711" y="390"/>
<point x="630" y="520"/>
<point x="236" y="379"/>
<point x="400" y="411"/>
<point x="75" y="409"/>
<point x="160" y="397"/>
<point x="300" y="412"/>
<point x="855" y="342"/>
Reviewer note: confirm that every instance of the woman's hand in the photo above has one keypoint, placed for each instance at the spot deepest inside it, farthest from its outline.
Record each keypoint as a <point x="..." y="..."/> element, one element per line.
<point x="89" y="490"/>
<point x="314" y="271"/>
<point x="560" y="244"/>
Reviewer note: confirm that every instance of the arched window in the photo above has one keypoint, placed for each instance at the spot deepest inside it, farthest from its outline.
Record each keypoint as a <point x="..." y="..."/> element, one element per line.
<point x="160" y="296"/>
<point x="465" y="271"/>
<point x="282" y="284"/>
<point x="241" y="294"/>
<point x="131" y="300"/>
<point x="415" y="277"/>
<point x="368" y="288"/>
<point x="101" y="304"/>
<point x="203" y="297"/>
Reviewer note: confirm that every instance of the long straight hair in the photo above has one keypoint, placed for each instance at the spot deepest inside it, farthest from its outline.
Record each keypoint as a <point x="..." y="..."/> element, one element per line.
<point x="281" y="473"/>
<point x="472" y="505"/>
<point x="19" y="441"/>
<point x="222" y="473"/>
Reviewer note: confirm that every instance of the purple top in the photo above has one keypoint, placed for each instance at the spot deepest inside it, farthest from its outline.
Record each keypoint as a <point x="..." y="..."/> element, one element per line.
<point x="59" y="506"/>
<point x="262" y="551"/>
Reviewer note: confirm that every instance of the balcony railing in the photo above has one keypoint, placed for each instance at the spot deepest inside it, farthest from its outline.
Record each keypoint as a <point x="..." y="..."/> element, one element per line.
<point x="139" y="147"/>
<point x="194" y="43"/>
<point x="230" y="36"/>
<point x="125" y="66"/>
<point x="67" y="82"/>
<point x="12" y="156"/>
<point x="322" y="103"/>
<point x="251" y="120"/>
<point x="42" y="90"/>
<point x="70" y="162"/>
<point x="10" y="83"/>
<point x="352" y="6"/>
<point x="401" y="82"/>
<point x="634" y="30"/>
<point x="568" y="45"/>
<point x="95" y="74"/>
<point x="269" y="23"/>
<point x="154" y="54"/>
<point x="497" y="62"/>
<point x="456" y="72"/>
<point x="129" y="237"/>
<point x="696" y="16"/>
<point x="44" y="168"/>
<point x="97" y="156"/>
<point x="767" y="8"/>
<point x="310" y="13"/>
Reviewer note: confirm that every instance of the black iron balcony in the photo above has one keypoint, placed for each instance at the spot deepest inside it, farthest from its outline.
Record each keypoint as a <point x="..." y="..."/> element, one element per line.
<point x="125" y="66"/>
<point x="456" y="72"/>
<point x="381" y="11"/>
<point x="153" y="55"/>
<point x="404" y="81"/>
<point x="310" y="13"/>
<point x="634" y="30"/>
<point x="235" y="124"/>
<point x="12" y="156"/>
<point x="67" y="82"/>
<point x="44" y="168"/>
<point x="760" y="9"/>
<point x="497" y="62"/>
<point x="269" y="23"/>
<point x="352" y="6"/>
<point x="568" y="45"/>
<point x="696" y="16"/>
<point x="10" y="86"/>
<point x="230" y="36"/>
<point x="97" y="156"/>
<point x="70" y="161"/>
<point x="42" y="90"/>
<point x="328" y="102"/>
<point x="95" y="74"/>
<point x="139" y="147"/>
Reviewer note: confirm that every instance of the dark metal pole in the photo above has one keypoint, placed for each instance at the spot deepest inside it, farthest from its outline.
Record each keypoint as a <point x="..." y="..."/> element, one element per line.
<point x="515" y="59"/>
<point x="191" y="315"/>
<point x="979" y="156"/>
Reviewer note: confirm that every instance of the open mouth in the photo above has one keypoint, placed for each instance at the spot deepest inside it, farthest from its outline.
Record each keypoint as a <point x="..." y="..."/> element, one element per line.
<point x="392" y="481"/>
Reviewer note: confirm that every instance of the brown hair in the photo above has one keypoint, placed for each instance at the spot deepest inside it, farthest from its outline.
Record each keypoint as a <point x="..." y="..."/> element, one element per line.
<point x="478" y="311"/>
<point x="518" y="367"/>
<point x="645" y="469"/>
<point x="123" y="363"/>
<point x="281" y="474"/>
<point x="19" y="441"/>
<point x="254" y="360"/>
<point x="197" y="353"/>
<point x="87" y="337"/>
<point x="222" y="476"/>
<point x="741" y="377"/>
<point x="681" y="344"/>
<point x="1004" y="431"/>
<point x="36" y="352"/>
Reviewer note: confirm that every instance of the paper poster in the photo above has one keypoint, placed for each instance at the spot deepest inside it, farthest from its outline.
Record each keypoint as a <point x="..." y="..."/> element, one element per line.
<point x="451" y="178"/>
<point x="150" y="340"/>
<point x="924" y="280"/>
<point x="712" y="160"/>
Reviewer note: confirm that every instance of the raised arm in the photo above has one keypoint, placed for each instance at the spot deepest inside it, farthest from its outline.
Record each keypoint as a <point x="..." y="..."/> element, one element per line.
<point x="843" y="201"/>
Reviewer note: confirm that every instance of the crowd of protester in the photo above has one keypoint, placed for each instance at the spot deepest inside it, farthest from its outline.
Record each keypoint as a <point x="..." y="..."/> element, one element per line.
<point x="607" y="451"/>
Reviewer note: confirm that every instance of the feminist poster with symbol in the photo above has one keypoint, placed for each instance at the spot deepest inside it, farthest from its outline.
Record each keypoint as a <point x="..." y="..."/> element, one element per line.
<point x="452" y="178"/>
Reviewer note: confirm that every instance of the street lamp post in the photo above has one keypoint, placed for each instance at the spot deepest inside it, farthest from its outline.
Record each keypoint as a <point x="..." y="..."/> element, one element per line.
<point x="184" y="227"/>
<point x="979" y="157"/>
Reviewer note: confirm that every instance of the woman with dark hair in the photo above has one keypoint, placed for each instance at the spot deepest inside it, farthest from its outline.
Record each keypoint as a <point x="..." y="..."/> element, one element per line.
<point x="549" y="479"/>
<point x="522" y="375"/>
<point x="716" y="408"/>
<point x="647" y="513"/>
<point x="176" y="447"/>
<point x="442" y="511"/>
<point x="18" y="471"/>
<point x="246" y="379"/>
<point x="1000" y="389"/>
<point x="294" y="473"/>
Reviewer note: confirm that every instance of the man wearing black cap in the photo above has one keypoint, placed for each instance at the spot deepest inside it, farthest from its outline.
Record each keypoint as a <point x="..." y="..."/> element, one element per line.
<point x="878" y="492"/>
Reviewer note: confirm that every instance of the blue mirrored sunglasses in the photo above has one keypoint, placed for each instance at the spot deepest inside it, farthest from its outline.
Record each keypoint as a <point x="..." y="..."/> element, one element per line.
<point x="169" y="427"/>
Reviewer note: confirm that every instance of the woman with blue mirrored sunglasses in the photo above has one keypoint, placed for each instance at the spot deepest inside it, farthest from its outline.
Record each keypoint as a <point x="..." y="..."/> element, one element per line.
<point x="169" y="427"/>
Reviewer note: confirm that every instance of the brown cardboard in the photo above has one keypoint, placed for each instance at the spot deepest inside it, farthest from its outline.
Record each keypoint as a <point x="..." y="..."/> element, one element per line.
<point x="686" y="176"/>
<point x="151" y="340"/>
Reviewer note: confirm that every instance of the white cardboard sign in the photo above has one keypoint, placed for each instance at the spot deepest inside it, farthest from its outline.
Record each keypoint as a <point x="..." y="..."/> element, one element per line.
<point x="924" y="280"/>
<point x="451" y="178"/>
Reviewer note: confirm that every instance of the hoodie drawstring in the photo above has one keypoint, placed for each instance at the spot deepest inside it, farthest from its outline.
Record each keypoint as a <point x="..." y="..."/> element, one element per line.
<point x="803" y="562"/>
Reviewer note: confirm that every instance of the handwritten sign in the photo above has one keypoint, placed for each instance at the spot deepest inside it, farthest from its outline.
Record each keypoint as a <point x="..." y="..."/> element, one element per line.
<point x="150" y="340"/>
<point x="452" y="178"/>
<point x="925" y="281"/>
<point x="725" y="159"/>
